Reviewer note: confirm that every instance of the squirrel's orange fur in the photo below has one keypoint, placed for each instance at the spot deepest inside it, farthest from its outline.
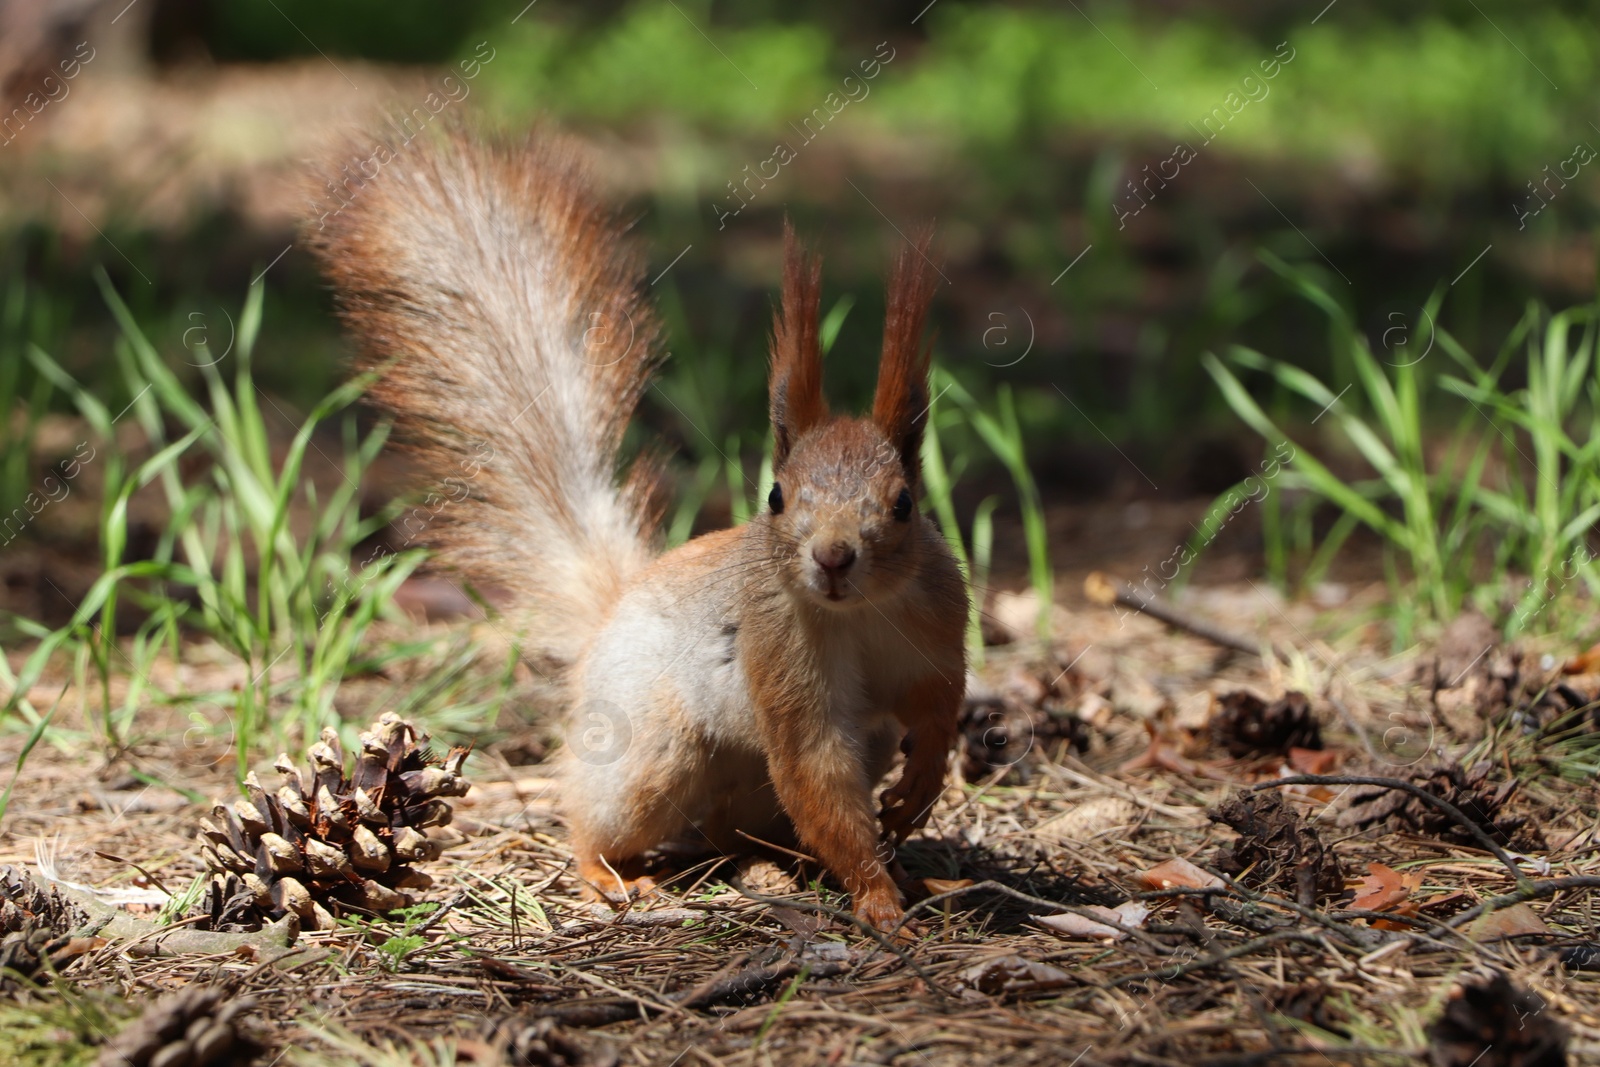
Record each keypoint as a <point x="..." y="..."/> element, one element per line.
<point x="753" y="682"/>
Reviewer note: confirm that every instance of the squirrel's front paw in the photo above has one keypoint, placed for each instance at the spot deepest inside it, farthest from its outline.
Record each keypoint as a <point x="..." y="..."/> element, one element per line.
<point x="880" y="907"/>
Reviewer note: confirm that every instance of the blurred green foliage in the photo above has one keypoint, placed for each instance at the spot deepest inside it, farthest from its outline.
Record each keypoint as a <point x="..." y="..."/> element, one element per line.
<point x="1427" y="90"/>
<point x="1435" y="98"/>
<point x="1018" y="125"/>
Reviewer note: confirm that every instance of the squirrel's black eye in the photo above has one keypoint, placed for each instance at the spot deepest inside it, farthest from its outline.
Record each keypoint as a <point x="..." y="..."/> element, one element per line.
<point x="903" y="505"/>
<point x="775" y="499"/>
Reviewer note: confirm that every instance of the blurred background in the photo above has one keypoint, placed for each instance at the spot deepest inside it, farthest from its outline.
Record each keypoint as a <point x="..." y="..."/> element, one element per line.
<point x="1118" y="189"/>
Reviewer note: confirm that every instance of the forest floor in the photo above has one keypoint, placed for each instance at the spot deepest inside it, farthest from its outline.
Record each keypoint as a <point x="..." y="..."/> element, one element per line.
<point x="1123" y="774"/>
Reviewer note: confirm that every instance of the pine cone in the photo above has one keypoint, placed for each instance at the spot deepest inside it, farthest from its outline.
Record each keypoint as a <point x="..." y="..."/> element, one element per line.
<point x="1027" y="714"/>
<point x="37" y="927"/>
<point x="22" y="899"/>
<point x="1471" y="790"/>
<point x="1246" y="725"/>
<point x="1275" y="849"/>
<point x="1479" y="799"/>
<point x="326" y="839"/>
<point x="1492" y="1023"/>
<point x="193" y="1028"/>
<point x="517" y="1041"/>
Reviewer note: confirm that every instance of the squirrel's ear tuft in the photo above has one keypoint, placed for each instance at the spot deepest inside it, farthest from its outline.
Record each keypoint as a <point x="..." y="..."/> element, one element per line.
<point x="795" y="381"/>
<point x="900" y="406"/>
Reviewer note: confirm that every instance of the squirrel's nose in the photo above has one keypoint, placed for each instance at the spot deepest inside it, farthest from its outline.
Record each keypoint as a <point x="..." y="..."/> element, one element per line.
<point x="834" y="558"/>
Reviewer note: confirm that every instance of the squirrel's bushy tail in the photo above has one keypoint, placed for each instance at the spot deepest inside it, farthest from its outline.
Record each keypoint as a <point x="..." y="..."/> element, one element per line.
<point x="499" y="303"/>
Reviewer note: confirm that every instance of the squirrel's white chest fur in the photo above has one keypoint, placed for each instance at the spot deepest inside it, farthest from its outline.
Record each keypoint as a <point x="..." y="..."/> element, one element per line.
<point x="664" y="675"/>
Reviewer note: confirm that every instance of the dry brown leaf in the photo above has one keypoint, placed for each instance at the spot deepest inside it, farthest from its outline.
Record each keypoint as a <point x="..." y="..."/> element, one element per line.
<point x="1130" y="914"/>
<point x="1383" y="887"/>
<point x="1013" y="974"/>
<point x="1312" y="761"/>
<point x="1095" y="710"/>
<point x="1193" y="711"/>
<point x="1516" y="921"/>
<point x="1162" y="756"/>
<point x="1315" y="760"/>
<point x="1177" y="873"/>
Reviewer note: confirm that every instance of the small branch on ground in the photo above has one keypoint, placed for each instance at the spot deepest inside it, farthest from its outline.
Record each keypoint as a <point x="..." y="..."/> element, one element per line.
<point x="1107" y="591"/>
<point x="742" y="982"/>
<point x="1526" y="891"/>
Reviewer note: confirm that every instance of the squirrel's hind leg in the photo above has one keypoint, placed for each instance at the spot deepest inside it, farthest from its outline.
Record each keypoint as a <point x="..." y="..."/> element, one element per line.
<point x="612" y="858"/>
<point x="622" y="812"/>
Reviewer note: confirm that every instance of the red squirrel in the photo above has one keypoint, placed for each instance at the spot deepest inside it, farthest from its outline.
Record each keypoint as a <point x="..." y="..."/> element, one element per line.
<point x="751" y="683"/>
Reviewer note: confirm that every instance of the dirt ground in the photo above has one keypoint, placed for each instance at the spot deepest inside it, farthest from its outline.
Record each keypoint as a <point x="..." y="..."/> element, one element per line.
<point x="1335" y="927"/>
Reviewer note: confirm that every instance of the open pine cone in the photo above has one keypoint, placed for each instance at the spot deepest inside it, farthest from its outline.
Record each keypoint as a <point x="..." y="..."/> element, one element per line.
<point x="326" y="839"/>
<point x="1246" y="725"/>
<point x="40" y="929"/>
<point x="195" y="1027"/>
<point x="1491" y="1022"/>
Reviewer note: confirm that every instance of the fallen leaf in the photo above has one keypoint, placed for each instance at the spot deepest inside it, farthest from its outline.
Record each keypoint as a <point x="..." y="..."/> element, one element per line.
<point x="1131" y="914"/>
<point x="1162" y="756"/>
<point x="1408" y="910"/>
<point x="505" y="970"/>
<point x="1518" y="920"/>
<point x="1540" y="865"/>
<point x="1382" y="888"/>
<point x="1320" y="793"/>
<point x="1193" y="712"/>
<point x="945" y="885"/>
<point x="1315" y="760"/>
<point x="1013" y="974"/>
<point x="1177" y="873"/>
<point x="1095" y="710"/>
<point x="806" y="924"/>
